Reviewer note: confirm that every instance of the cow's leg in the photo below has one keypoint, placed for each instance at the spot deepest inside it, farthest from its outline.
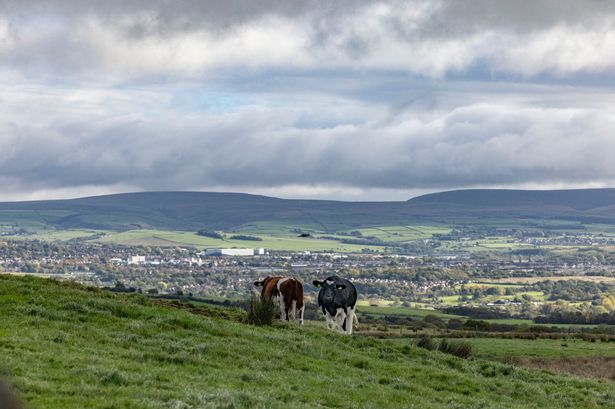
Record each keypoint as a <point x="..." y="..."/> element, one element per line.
<point x="350" y="319"/>
<point x="340" y="317"/>
<point x="279" y="301"/>
<point x="287" y="312"/>
<point x="301" y="311"/>
<point x="330" y="322"/>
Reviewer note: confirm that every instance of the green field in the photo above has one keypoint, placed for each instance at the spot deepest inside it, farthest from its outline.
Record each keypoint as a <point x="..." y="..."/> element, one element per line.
<point x="364" y="307"/>
<point x="68" y="347"/>
<point x="419" y="311"/>
<point x="182" y="238"/>
<point x="62" y="235"/>
<point x="403" y="233"/>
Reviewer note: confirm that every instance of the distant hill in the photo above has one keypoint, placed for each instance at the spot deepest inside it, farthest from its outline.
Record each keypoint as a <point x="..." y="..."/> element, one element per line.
<point x="197" y="210"/>
<point x="576" y="204"/>
<point x="65" y="346"/>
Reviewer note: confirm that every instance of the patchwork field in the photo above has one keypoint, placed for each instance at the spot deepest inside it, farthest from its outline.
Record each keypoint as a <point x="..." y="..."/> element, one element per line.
<point x="179" y="238"/>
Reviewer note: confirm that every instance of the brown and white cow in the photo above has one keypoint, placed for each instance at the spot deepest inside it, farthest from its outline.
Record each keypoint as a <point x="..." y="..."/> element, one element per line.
<point x="286" y="293"/>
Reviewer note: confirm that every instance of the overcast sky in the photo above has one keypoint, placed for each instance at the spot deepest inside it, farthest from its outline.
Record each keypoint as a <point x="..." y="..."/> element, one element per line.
<point x="351" y="100"/>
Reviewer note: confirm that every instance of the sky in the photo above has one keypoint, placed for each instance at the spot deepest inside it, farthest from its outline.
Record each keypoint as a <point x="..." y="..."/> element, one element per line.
<point x="345" y="99"/>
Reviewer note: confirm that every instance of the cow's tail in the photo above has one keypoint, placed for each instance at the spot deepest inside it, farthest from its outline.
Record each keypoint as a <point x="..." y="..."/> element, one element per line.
<point x="354" y="317"/>
<point x="298" y="300"/>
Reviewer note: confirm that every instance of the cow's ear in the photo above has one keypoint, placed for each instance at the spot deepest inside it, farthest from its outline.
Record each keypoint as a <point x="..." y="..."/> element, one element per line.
<point x="317" y="283"/>
<point x="258" y="283"/>
<point x="340" y="286"/>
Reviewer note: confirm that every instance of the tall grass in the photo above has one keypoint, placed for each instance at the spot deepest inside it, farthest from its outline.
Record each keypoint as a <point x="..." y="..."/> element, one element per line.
<point x="260" y="312"/>
<point x="461" y="349"/>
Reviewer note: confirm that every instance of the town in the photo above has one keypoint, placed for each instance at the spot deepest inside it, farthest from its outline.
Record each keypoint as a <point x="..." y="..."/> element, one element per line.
<point x="427" y="280"/>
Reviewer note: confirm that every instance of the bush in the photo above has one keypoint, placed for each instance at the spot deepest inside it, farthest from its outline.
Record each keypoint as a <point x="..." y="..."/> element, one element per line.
<point x="461" y="349"/>
<point x="260" y="312"/>
<point x="244" y="237"/>
<point x="426" y="343"/>
<point x="209" y="233"/>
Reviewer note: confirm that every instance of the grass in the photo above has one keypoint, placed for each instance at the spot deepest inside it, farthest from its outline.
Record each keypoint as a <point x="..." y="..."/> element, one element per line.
<point x="69" y="347"/>
<point x="363" y="307"/>
<point x="539" y="348"/>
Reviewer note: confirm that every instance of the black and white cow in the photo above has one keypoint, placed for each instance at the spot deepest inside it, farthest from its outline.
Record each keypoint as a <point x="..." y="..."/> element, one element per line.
<point x="337" y="299"/>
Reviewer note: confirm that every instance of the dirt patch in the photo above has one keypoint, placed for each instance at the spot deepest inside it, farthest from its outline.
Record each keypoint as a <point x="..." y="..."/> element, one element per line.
<point x="590" y="367"/>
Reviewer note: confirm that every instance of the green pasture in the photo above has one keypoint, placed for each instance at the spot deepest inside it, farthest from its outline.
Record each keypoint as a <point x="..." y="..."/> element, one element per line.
<point x="364" y="307"/>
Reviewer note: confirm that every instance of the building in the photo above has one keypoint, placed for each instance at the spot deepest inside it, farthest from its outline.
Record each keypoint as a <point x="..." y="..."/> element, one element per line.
<point x="136" y="260"/>
<point x="227" y="252"/>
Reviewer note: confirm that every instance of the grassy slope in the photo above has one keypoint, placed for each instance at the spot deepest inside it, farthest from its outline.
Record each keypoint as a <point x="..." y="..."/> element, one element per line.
<point x="67" y="347"/>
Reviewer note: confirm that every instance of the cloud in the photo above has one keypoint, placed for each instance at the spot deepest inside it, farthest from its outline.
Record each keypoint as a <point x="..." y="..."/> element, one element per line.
<point x="132" y="143"/>
<point x="125" y="41"/>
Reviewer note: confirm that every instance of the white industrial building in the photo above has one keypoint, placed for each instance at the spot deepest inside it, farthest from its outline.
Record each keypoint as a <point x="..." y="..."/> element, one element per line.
<point x="136" y="260"/>
<point x="228" y="252"/>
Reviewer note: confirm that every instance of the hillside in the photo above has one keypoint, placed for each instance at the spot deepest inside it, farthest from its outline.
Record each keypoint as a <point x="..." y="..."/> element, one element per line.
<point x="69" y="347"/>
<point x="573" y="204"/>
<point x="196" y="210"/>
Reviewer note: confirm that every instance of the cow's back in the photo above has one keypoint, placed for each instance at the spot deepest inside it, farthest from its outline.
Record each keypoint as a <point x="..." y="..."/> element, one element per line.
<point x="270" y="288"/>
<point x="292" y="290"/>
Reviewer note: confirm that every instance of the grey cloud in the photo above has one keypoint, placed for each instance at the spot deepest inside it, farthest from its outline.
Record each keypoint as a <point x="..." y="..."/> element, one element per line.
<point x="478" y="144"/>
<point x="449" y="17"/>
<point x="159" y="40"/>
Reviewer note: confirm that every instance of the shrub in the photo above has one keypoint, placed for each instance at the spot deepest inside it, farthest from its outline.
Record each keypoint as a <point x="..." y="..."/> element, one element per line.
<point x="245" y="237"/>
<point x="461" y="349"/>
<point x="426" y="343"/>
<point x="210" y="233"/>
<point x="260" y="312"/>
